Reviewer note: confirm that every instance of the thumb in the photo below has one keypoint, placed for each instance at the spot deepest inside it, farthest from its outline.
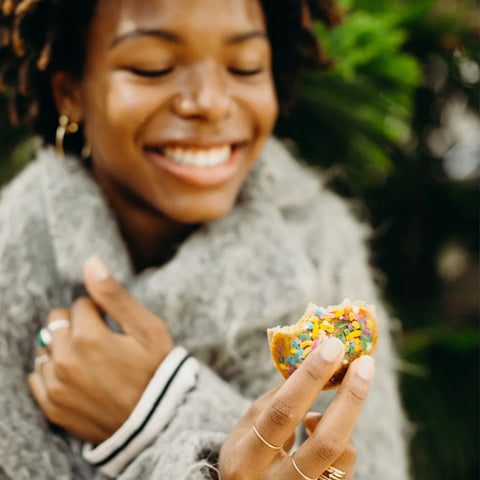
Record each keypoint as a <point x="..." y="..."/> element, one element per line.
<point x="111" y="297"/>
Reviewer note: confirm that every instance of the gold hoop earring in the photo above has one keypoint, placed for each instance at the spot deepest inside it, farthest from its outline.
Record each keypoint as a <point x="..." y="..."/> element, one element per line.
<point x="64" y="126"/>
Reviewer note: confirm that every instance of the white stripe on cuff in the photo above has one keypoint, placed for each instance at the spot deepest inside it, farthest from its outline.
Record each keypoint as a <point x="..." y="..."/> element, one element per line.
<point x="175" y="376"/>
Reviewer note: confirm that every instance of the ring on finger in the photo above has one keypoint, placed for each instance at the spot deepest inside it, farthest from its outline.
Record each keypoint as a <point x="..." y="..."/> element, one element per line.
<point x="40" y="360"/>
<point x="295" y="466"/>
<point x="44" y="338"/>
<point x="333" y="473"/>
<point x="268" y="444"/>
<point x="57" y="324"/>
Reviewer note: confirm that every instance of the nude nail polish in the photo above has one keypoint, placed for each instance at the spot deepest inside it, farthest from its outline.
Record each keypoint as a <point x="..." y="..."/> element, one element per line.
<point x="332" y="349"/>
<point x="365" y="367"/>
<point x="100" y="269"/>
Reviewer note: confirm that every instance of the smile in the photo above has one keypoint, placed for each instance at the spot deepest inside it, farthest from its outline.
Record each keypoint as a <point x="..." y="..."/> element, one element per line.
<point x="198" y="157"/>
<point x="201" y="166"/>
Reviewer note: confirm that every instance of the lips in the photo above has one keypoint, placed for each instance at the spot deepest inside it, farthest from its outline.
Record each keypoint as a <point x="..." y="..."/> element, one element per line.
<point x="200" y="166"/>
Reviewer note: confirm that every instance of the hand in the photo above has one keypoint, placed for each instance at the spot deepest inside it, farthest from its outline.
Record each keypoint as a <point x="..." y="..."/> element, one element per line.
<point x="277" y="413"/>
<point x="94" y="377"/>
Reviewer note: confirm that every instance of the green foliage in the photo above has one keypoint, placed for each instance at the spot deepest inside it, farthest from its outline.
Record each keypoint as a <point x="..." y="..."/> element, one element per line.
<point x="16" y="145"/>
<point x="397" y="66"/>
<point x="361" y="109"/>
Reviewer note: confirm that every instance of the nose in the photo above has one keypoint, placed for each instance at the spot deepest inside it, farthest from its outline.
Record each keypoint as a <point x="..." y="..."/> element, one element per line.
<point x="204" y="96"/>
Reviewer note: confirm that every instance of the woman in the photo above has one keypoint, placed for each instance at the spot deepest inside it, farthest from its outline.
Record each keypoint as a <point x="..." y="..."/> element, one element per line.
<point x="185" y="228"/>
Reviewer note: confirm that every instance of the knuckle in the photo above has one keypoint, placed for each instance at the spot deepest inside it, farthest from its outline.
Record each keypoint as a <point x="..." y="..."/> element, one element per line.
<point x="327" y="450"/>
<point x="356" y="395"/>
<point x="86" y="340"/>
<point x="56" y="392"/>
<point x="64" y="369"/>
<point x="310" y="373"/>
<point x="281" y="413"/>
<point x="110" y="289"/>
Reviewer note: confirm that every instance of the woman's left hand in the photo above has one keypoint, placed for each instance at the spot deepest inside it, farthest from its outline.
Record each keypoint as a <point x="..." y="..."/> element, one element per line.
<point x="94" y="377"/>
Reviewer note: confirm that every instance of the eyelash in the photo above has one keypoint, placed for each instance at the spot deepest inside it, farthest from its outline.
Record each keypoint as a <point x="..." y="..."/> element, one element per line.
<point x="166" y="71"/>
<point x="245" y="73"/>
<point x="151" y="73"/>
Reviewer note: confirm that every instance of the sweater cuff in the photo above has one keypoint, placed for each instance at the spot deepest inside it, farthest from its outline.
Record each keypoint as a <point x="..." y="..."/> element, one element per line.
<point x="175" y="376"/>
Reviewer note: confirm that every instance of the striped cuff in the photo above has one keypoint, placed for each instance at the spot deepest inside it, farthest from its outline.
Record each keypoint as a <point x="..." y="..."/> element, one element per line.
<point x="175" y="376"/>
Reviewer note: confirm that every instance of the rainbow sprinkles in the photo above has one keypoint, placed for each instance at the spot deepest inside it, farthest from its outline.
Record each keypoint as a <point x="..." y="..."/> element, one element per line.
<point x="354" y="324"/>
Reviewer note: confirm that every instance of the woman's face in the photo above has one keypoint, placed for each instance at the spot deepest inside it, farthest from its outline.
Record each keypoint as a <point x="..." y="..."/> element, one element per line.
<point x="177" y="100"/>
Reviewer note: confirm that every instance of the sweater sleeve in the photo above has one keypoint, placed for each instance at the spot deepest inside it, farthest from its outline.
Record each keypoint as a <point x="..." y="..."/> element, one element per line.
<point x="174" y="377"/>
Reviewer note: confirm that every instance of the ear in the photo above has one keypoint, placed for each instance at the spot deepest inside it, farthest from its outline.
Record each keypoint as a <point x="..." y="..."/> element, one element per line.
<point x="67" y="95"/>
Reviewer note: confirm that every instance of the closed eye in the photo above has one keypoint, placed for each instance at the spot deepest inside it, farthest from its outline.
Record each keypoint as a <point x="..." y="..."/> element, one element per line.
<point x="245" y="73"/>
<point x="151" y="73"/>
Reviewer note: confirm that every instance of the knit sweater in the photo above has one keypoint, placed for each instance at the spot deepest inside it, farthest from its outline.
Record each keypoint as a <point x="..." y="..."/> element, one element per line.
<point x="287" y="241"/>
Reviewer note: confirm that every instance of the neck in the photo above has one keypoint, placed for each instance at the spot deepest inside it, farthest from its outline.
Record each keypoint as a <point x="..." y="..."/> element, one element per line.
<point x="152" y="239"/>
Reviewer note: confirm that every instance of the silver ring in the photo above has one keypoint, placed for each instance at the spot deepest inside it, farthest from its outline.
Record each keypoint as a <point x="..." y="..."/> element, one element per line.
<point x="333" y="473"/>
<point x="40" y="360"/>
<point x="268" y="444"/>
<point x="299" y="471"/>
<point x="57" y="324"/>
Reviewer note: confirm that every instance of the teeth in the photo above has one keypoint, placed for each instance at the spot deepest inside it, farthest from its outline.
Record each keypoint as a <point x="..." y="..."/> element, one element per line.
<point x="199" y="157"/>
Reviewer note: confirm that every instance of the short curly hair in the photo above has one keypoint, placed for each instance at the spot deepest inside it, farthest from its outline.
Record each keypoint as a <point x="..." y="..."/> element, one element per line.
<point x="38" y="37"/>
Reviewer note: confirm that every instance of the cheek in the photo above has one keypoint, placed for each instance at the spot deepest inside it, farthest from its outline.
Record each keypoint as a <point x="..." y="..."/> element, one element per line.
<point x="264" y="106"/>
<point x="117" y="106"/>
<point x="125" y="105"/>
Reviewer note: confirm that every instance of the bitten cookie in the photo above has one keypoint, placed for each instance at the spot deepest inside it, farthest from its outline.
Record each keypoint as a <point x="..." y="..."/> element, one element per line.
<point x="355" y="324"/>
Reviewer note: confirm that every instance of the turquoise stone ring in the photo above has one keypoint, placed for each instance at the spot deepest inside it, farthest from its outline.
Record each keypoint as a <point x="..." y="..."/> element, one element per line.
<point x="44" y="337"/>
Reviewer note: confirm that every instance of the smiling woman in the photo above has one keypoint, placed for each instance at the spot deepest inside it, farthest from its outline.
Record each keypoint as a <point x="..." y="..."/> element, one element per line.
<point x="157" y="365"/>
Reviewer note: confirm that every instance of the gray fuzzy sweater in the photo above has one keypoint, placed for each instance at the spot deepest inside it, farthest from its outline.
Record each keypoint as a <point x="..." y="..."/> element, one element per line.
<point x="288" y="241"/>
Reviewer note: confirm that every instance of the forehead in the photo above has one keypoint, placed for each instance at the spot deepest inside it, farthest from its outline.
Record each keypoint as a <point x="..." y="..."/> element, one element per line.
<point x="115" y="17"/>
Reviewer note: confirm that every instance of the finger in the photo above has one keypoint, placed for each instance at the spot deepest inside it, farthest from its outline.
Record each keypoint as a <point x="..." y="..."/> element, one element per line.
<point x="346" y="461"/>
<point x="311" y="421"/>
<point x="114" y="299"/>
<point x="39" y="392"/>
<point x="57" y="415"/>
<point x="292" y="401"/>
<point x="59" y="335"/>
<point x="40" y="359"/>
<point x="88" y="327"/>
<point x="332" y="434"/>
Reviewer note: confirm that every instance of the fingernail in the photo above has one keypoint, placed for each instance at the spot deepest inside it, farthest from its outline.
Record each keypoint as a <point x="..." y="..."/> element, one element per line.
<point x="99" y="268"/>
<point x="365" y="367"/>
<point x="332" y="349"/>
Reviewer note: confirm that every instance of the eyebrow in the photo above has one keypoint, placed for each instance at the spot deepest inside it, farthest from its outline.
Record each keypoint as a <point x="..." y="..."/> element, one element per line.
<point x="242" y="37"/>
<point x="142" y="32"/>
<point x="174" y="38"/>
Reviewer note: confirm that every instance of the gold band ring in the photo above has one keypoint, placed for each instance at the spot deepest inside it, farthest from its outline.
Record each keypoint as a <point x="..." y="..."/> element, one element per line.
<point x="333" y="473"/>
<point x="268" y="444"/>
<point x="295" y="466"/>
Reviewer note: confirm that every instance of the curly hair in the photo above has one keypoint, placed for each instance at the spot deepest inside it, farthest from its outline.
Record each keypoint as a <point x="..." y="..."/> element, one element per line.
<point x="38" y="37"/>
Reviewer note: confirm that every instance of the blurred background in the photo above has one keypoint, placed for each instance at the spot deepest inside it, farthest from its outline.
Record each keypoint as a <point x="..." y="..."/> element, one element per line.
<point x="395" y="125"/>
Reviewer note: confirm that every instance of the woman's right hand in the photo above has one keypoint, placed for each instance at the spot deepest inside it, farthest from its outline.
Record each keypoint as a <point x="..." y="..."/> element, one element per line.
<point x="275" y="415"/>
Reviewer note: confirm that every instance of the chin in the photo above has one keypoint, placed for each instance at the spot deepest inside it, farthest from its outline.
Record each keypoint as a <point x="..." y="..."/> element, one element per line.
<point x="200" y="213"/>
